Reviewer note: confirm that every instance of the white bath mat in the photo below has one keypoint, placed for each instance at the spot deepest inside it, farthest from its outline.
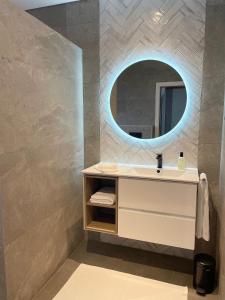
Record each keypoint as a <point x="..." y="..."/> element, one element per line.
<point x="94" y="283"/>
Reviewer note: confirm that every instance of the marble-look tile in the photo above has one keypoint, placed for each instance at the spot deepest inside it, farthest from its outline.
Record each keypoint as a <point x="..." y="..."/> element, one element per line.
<point x="44" y="169"/>
<point x="91" y="106"/>
<point x="82" y="12"/>
<point x="213" y="62"/>
<point x="222" y="219"/>
<point x="222" y="263"/>
<point x="86" y="34"/>
<point x="155" y="248"/>
<point x="215" y="2"/>
<point x="136" y="262"/>
<point x="91" y="152"/>
<point x="55" y="15"/>
<point x="81" y="26"/>
<point x="211" y="132"/>
<point x="209" y="163"/>
<point x="2" y="257"/>
<point x="41" y="149"/>
<point x="39" y="252"/>
<point x="57" y="281"/>
<point x="212" y="92"/>
<point x="91" y="123"/>
<point x="91" y="68"/>
<point x="2" y="277"/>
<point x="211" y="120"/>
<point x="209" y="160"/>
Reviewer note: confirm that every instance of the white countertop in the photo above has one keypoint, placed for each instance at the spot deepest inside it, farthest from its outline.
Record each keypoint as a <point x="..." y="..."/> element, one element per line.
<point x="139" y="171"/>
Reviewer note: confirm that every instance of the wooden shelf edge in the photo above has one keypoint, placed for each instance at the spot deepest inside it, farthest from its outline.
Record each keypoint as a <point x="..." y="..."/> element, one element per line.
<point x="101" y="227"/>
<point x="101" y="205"/>
<point x="101" y="176"/>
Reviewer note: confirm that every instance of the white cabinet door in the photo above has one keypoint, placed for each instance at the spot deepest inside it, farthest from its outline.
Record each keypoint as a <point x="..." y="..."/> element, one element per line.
<point x="158" y="196"/>
<point x="157" y="228"/>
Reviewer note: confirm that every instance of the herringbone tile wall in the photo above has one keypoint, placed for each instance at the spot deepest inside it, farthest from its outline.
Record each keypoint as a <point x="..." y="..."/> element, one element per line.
<point x="143" y="28"/>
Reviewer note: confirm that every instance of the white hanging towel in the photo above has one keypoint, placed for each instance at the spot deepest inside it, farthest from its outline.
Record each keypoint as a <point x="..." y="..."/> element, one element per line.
<point x="202" y="222"/>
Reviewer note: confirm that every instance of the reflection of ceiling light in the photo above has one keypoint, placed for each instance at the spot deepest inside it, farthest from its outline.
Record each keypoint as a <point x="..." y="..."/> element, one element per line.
<point x="157" y="16"/>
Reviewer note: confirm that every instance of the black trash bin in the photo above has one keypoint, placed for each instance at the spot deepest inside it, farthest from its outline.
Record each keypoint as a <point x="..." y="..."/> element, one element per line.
<point x="204" y="273"/>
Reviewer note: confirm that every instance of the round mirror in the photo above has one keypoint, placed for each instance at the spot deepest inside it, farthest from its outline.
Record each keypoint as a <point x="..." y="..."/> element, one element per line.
<point x="148" y="99"/>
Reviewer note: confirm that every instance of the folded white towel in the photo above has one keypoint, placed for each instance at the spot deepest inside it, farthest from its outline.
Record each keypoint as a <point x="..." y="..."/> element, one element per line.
<point x="104" y="193"/>
<point x="202" y="222"/>
<point x="102" y="201"/>
<point x="104" y="196"/>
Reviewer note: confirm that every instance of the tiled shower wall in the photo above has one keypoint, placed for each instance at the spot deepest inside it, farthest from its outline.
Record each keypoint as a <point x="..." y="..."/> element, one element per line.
<point x="2" y="258"/>
<point x="129" y="29"/>
<point x="79" y="22"/>
<point x="222" y="219"/>
<point x="41" y="150"/>
<point x="211" y="113"/>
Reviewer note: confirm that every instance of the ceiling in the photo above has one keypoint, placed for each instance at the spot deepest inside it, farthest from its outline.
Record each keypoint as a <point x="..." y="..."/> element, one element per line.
<point x="29" y="4"/>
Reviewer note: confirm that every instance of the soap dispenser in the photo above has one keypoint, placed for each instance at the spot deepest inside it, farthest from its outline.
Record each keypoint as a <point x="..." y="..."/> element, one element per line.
<point x="181" y="162"/>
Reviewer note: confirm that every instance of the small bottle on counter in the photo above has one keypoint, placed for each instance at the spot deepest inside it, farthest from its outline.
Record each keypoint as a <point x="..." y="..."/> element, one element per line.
<point x="181" y="164"/>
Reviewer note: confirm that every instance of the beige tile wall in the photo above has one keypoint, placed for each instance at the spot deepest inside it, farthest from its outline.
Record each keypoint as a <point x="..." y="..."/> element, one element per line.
<point x="211" y="135"/>
<point x="222" y="218"/>
<point x="79" y="22"/>
<point x="2" y="258"/>
<point x="41" y="149"/>
<point x="211" y="114"/>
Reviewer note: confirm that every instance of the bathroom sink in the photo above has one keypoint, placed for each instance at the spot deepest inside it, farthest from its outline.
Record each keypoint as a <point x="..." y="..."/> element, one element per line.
<point x="107" y="167"/>
<point x="190" y="175"/>
<point x="144" y="171"/>
<point x="138" y="171"/>
<point x="158" y="172"/>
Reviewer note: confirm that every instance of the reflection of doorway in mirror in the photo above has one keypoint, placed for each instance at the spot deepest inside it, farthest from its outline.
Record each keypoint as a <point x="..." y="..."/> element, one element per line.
<point x="170" y="103"/>
<point x="133" y="99"/>
<point x="114" y="101"/>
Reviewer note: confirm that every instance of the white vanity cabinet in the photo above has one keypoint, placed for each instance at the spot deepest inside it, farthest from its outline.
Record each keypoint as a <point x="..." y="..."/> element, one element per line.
<point x="150" y="206"/>
<point x="161" y="212"/>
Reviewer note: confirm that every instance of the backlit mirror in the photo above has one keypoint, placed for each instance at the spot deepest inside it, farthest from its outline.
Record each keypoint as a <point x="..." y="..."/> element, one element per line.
<point x="148" y="99"/>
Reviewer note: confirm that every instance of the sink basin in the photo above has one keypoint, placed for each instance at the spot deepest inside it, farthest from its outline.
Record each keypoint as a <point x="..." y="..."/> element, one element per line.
<point x="158" y="172"/>
<point x="107" y="167"/>
<point x="189" y="175"/>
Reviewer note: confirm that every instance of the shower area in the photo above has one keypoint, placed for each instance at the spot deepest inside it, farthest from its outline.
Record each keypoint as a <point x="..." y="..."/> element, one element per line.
<point x="41" y="152"/>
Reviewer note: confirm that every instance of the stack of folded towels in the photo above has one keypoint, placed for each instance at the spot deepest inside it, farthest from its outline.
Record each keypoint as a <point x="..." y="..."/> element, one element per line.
<point x="104" y="196"/>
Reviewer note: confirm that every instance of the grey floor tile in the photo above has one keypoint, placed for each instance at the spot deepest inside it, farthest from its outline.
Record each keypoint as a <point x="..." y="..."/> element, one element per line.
<point x="124" y="259"/>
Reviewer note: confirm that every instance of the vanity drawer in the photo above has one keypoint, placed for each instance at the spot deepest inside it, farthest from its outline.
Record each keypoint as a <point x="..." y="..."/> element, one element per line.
<point x="156" y="228"/>
<point x="158" y="196"/>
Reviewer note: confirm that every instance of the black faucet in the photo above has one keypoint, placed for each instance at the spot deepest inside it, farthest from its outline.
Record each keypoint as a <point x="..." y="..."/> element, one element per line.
<point x="159" y="158"/>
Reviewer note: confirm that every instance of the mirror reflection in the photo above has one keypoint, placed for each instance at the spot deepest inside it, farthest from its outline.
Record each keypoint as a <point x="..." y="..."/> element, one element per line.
<point x="148" y="99"/>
